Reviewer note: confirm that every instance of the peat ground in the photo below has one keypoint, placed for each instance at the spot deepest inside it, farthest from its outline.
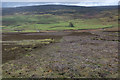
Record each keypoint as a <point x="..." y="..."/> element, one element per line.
<point x="67" y="54"/>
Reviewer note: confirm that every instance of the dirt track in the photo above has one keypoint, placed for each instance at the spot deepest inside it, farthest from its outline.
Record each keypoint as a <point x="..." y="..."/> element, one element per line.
<point x="77" y="54"/>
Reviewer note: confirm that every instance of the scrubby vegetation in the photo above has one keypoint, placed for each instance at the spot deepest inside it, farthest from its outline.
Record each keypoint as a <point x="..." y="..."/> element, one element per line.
<point x="91" y="54"/>
<point x="60" y="42"/>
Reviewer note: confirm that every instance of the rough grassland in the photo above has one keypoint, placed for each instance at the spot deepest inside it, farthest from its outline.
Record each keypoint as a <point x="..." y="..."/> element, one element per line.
<point x="33" y="23"/>
<point x="91" y="54"/>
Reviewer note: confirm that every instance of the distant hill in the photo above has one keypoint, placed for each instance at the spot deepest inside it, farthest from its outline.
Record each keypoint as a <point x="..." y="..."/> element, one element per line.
<point x="57" y="17"/>
<point x="61" y="9"/>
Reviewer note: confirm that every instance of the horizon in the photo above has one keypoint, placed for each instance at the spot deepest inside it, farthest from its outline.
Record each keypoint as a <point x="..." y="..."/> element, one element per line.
<point x="85" y="4"/>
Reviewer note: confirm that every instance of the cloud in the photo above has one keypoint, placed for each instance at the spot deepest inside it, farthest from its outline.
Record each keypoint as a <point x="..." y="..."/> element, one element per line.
<point x="106" y="1"/>
<point x="74" y="2"/>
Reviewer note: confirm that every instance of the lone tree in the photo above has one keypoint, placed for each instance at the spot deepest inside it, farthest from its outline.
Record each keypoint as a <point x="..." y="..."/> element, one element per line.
<point x="71" y="24"/>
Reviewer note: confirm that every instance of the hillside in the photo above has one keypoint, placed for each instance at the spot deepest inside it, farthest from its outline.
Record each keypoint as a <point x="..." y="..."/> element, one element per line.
<point x="57" y="41"/>
<point x="58" y="17"/>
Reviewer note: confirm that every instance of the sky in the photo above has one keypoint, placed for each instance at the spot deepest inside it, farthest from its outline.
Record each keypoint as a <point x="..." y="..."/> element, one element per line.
<point x="106" y="1"/>
<point x="80" y="2"/>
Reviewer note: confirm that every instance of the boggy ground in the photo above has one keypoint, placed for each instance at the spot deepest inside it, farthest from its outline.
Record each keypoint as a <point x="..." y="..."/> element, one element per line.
<point x="78" y="54"/>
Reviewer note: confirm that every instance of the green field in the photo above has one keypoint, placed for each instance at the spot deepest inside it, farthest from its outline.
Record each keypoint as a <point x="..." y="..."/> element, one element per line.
<point x="81" y="19"/>
<point x="33" y="23"/>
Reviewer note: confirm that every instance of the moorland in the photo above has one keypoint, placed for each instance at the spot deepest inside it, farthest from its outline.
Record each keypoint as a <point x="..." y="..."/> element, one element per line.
<point x="58" y="41"/>
<point x="57" y="17"/>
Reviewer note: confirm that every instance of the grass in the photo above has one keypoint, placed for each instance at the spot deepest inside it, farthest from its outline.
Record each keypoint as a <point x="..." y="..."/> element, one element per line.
<point x="29" y="42"/>
<point x="33" y="23"/>
<point x="56" y="61"/>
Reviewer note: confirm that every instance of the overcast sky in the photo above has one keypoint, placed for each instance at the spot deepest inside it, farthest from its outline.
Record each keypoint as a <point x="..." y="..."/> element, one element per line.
<point x="106" y="1"/>
<point x="79" y="2"/>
